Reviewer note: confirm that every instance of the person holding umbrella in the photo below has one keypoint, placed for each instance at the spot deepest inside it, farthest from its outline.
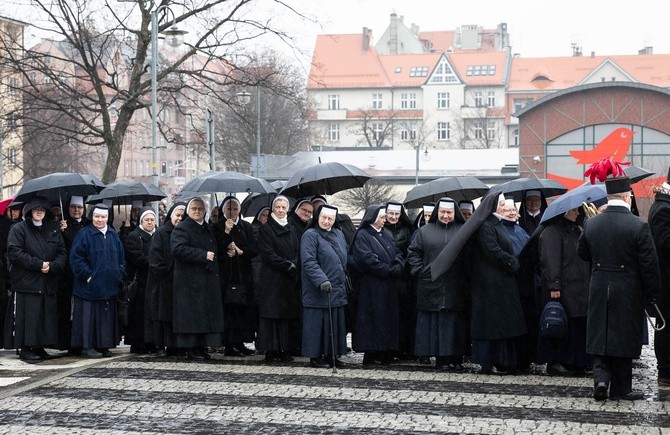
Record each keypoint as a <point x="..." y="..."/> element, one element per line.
<point x="98" y="264"/>
<point x="159" y="283"/>
<point x="37" y="257"/>
<point x="137" y="258"/>
<point x="235" y="238"/>
<point x="197" y="303"/>
<point x="441" y="325"/>
<point x="323" y="255"/>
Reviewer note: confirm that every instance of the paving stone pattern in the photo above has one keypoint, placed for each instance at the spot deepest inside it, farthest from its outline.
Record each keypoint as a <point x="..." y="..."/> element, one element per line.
<point x="141" y="394"/>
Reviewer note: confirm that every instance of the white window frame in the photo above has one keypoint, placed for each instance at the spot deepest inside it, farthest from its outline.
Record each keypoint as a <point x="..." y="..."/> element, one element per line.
<point x="491" y="99"/>
<point x="443" y="130"/>
<point x="491" y="130"/>
<point x="478" y="130"/>
<point x="334" y="132"/>
<point x="479" y="98"/>
<point x="377" y="101"/>
<point x="377" y="130"/>
<point x="333" y="102"/>
<point x="443" y="100"/>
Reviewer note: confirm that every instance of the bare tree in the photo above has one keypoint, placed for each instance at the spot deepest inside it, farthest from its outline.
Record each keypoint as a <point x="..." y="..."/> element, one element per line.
<point x="91" y="70"/>
<point x="376" y="126"/>
<point x="375" y="191"/>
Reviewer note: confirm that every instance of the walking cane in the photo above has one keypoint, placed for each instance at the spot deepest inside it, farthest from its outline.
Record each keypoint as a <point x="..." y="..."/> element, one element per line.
<point x="332" y="333"/>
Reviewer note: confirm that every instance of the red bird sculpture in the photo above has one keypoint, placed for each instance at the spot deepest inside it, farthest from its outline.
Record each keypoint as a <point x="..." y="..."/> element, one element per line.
<point x="615" y="145"/>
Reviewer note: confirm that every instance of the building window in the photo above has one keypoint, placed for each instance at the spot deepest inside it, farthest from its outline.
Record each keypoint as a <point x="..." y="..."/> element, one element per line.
<point x="491" y="99"/>
<point x="334" y="132"/>
<point x="481" y="70"/>
<point x="333" y="102"/>
<point x="13" y="86"/>
<point x="11" y="121"/>
<point x="377" y="131"/>
<point x="443" y="74"/>
<point x="491" y="130"/>
<point x="478" y="130"/>
<point x="126" y="168"/>
<point x="443" y="132"/>
<point x="418" y="71"/>
<point x="479" y="99"/>
<point x="443" y="100"/>
<point x="13" y="156"/>
<point x="376" y="101"/>
<point x="520" y="103"/>
<point x="515" y="137"/>
<point x="408" y="101"/>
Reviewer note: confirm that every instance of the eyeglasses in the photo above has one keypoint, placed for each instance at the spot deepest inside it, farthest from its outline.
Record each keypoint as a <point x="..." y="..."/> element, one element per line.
<point x="305" y="210"/>
<point x="197" y="209"/>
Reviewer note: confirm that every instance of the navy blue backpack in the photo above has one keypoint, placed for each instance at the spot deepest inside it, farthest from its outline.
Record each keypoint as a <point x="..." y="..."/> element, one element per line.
<point x="553" y="321"/>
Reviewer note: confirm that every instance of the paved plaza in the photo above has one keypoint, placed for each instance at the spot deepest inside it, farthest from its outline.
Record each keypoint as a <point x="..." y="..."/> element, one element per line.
<point x="141" y="394"/>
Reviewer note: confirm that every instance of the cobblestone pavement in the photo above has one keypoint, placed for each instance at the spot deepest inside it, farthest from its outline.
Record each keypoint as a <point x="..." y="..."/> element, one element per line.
<point x="141" y="394"/>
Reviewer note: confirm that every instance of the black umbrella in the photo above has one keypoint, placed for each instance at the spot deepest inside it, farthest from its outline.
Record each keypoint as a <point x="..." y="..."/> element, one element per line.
<point x="516" y="188"/>
<point x="226" y="181"/>
<point x="456" y="188"/>
<point x="324" y="179"/>
<point x="125" y="192"/>
<point x="635" y="173"/>
<point x="59" y="186"/>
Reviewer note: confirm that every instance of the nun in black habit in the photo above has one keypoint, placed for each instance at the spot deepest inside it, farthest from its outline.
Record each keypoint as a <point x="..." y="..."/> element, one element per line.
<point x="381" y="266"/>
<point x="442" y="321"/>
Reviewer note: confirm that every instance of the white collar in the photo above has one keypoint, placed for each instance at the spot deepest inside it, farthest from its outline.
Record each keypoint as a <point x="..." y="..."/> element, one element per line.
<point x="618" y="202"/>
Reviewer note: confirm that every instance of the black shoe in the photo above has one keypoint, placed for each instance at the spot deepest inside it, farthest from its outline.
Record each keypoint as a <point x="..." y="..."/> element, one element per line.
<point x="105" y="353"/>
<point x="271" y="356"/>
<point x="318" y="363"/>
<point x="633" y="395"/>
<point x="243" y="350"/>
<point x="73" y="352"/>
<point x="664" y="382"/>
<point x="425" y="360"/>
<point x="600" y="391"/>
<point x="493" y="370"/>
<point x="458" y="367"/>
<point x="285" y="357"/>
<point x="28" y="354"/>
<point x="39" y="351"/>
<point x="368" y="358"/>
<point x="558" y="369"/>
<point x="91" y="353"/>
<point x="231" y="351"/>
<point x="162" y="353"/>
<point x="196" y="354"/>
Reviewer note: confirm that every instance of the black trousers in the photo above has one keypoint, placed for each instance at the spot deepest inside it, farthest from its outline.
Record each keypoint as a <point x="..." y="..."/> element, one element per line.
<point x="662" y="351"/>
<point x="615" y="372"/>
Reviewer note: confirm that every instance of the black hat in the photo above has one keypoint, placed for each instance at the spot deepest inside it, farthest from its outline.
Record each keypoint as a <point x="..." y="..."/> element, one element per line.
<point x="617" y="185"/>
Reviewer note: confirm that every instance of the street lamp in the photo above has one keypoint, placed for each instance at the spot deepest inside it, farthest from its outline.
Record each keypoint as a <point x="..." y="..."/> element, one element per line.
<point x="425" y="156"/>
<point x="174" y="38"/>
<point x="244" y="98"/>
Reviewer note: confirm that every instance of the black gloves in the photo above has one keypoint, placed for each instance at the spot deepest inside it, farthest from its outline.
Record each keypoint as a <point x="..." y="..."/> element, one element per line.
<point x="396" y="270"/>
<point x="326" y="287"/>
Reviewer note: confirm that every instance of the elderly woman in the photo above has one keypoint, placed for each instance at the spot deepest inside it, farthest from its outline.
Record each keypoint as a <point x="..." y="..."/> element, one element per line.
<point x="98" y="265"/>
<point x="197" y="305"/>
<point x="159" y="284"/>
<point x="137" y="259"/>
<point x="441" y="325"/>
<point x="380" y="265"/>
<point x="237" y="245"/>
<point x="279" y="296"/>
<point x="497" y="319"/>
<point x="36" y="254"/>
<point x="323" y="254"/>
<point x="565" y="277"/>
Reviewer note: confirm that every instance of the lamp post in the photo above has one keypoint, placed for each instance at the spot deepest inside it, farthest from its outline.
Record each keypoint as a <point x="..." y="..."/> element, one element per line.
<point x="425" y="156"/>
<point x="244" y="98"/>
<point x="175" y="39"/>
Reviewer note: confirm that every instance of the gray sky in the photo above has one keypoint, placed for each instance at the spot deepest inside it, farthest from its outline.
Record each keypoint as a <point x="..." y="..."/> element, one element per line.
<point x="537" y="28"/>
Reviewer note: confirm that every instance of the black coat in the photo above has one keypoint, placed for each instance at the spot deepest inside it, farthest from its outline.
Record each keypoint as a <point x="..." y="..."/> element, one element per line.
<point x="236" y="269"/>
<point x="137" y="264"/>
<point x="161" y="274"/>
<point x="659" y="222"/>
<point x="28" y="247"/>
<point x="377" y="309"/>
<point x="400" y="234"/>
<point x="561" y="268"/>
<point x="496" y="306"/>
<point x="624" y="276"/>
<point x="449" y="290"/>
<point x="198" y="308"/>
<point x="279" y="296"/>
<point x="298" y="225"/>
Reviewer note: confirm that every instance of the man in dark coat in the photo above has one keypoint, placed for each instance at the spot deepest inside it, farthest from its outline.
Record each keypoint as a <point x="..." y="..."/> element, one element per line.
<point x="659" y="222"/>
<point x="197" y="305"/>
<point x="625" y="276"/>
<point x="279" y="297"/>
<point x="441" y="326"/>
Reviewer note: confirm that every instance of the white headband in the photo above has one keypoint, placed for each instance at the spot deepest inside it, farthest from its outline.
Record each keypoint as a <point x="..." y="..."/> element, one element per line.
<point x="466" y="206"/>
<point x="428" y="208"/>
<point x="447" y="204"/>
<point x="101" y="211"/>
<point x="328" y="211"/>
<point x="382" y="212"/>
<point x="509" y="203"/>
<point x="393" y="207"/>
<point x="147" y="212"/>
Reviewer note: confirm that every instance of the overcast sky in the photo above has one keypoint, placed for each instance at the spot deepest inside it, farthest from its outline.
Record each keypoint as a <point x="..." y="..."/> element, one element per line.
<point x="537" y="28"/>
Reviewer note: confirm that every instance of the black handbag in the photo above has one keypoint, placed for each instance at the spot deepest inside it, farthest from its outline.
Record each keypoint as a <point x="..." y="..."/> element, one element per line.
<point x="235" y="293"/>
<point x="127" y="294"/>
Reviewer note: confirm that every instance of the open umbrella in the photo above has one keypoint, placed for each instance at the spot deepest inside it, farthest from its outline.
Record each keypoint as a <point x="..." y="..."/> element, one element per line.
<point x="635" y="173"/>
<point x="226" y="181"/>
<point x="585" y="193"/>
<point x="4" y="204"/>
<point x="516" y="188"/>
<point x="253" y="203"/>
<point x="456" y="188"/>
<point x="59" y="186"/>
<point x="324" y="179"/>
<point x="125" y="192"/>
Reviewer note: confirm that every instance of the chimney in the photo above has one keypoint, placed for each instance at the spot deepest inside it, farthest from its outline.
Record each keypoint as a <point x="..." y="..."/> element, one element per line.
<point x="393" y="33"/>
<point x="646" y="50"/>
<point x="367" y="38"/>
<point x="593" y="54"/>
